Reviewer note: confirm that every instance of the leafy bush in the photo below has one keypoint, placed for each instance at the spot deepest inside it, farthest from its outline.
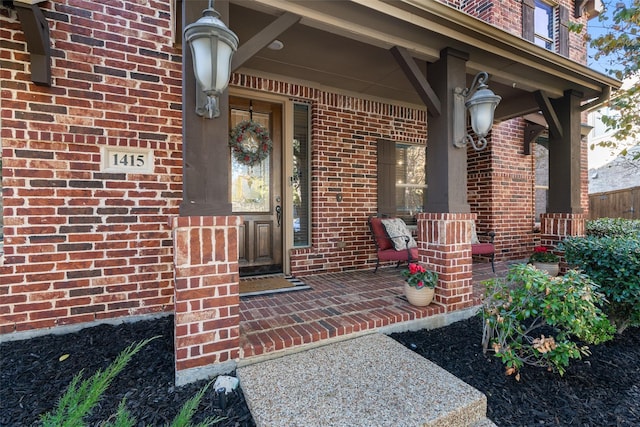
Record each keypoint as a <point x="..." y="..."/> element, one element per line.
<point x="532" y="318"/>
<point x="81" y="397"/>
<point x="614" y="264"/>
<point x="613" y="227"/>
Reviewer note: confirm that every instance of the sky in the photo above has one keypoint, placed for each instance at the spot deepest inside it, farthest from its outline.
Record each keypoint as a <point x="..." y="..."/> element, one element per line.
<point x="595" y="28"/>
<point x="601" y="156"/>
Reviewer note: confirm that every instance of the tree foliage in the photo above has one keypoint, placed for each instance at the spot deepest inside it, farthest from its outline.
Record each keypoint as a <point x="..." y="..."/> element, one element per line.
<point x="619" y="47"/>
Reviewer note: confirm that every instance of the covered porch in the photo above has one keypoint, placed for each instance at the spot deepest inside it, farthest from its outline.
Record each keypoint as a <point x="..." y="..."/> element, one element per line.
<point x="371" y="72"/>
<point x="338" y="305"/>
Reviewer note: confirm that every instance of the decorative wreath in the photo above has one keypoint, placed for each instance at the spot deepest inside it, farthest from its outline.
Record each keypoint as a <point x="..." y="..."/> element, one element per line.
<point x="250" y="142"/>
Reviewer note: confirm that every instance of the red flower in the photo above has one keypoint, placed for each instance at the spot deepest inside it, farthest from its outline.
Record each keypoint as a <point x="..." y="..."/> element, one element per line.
<point x="540" y="249"/>
<point x="419" y="277"/>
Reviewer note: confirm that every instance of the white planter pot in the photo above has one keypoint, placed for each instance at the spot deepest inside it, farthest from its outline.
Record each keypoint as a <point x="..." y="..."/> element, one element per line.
<point x="551" y="268"/>
<point x="418" y="297"/>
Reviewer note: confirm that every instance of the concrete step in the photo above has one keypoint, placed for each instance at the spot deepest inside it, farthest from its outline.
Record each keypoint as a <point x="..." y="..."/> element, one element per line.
<point x="368" y="381"/>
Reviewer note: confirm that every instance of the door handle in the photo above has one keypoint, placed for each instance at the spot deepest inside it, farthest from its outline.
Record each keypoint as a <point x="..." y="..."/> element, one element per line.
<point x="279" y="215"/>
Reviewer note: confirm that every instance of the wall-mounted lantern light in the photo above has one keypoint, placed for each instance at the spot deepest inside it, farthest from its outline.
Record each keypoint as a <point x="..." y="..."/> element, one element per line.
<point x="212" y="46"/>
<point x="481" y="103"/>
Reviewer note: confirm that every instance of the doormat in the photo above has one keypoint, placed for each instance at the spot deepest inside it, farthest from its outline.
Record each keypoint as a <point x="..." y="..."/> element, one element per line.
<point x="264" y="285"/>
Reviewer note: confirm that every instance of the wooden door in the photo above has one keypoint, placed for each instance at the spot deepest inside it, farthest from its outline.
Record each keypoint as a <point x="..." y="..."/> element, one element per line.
<point x="256" y="191"/>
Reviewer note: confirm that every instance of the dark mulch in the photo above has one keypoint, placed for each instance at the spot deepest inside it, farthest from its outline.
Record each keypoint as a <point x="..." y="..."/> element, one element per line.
<point x="603" y="390"/>
<point x="32" y="378"/>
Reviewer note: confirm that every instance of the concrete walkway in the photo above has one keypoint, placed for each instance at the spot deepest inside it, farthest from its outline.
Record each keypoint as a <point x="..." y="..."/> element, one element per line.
<point x="368" y="381"/>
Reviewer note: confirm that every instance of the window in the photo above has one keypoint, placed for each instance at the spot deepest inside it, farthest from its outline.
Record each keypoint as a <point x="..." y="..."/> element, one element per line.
<point x="410" y="180"/>
<point x="543" y="23"/>
<point x="542" y="176"/>
<point x="300" y="178"/>
<point x="401" y="179"/>
<point x="546" y="25"/>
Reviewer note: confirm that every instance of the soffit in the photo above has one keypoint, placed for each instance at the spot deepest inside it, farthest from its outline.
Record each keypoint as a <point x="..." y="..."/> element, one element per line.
<point x="345" y="45"/>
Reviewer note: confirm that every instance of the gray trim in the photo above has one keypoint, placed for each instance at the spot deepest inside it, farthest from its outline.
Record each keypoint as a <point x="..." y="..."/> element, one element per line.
<point x="187" y="376"/>
<point x="69" y="329"/>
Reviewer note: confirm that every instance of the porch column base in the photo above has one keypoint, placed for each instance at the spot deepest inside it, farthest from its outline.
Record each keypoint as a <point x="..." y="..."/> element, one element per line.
<point x="206" y="292"/>
<point x="445" y="247"/>
<point x="555" y="227"/>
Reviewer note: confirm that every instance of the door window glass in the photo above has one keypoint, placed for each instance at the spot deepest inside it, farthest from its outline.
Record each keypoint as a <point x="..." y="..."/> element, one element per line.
<point x="300" y="178"/>
<point x="250" y="185"/>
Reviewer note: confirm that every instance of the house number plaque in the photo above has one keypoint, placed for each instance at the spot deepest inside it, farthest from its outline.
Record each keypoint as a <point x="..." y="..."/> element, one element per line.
<point x="129" y="160"/>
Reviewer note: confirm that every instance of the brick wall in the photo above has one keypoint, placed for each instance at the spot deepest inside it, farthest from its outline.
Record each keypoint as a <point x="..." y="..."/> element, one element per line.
<point x="501" y="190"/>
<point x="83" y="245"/>
<point x="482" y="9"/>
<point x="80" y="244"/>
<point x="345" y="131"/>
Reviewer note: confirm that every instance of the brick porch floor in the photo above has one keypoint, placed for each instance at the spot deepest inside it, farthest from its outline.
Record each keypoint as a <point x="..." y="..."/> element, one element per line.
<point x="339" y="304"/>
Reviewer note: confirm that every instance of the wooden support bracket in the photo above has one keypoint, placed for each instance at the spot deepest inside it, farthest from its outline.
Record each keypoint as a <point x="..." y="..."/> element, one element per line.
<point x="36" y="33"/>
<point x="549" y="113"/>
<point x="418" y="80"/>
<point x="531" y="132"/>
<point x="579" y="8"/>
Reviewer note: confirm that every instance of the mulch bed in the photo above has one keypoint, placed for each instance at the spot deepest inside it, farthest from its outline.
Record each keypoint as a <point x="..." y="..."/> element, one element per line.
<point x="603" y="390"/>
<point x="32" y="378"/>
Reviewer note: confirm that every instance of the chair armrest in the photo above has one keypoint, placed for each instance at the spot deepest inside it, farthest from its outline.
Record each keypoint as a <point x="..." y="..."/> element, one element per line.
<point x="491" y="234"/>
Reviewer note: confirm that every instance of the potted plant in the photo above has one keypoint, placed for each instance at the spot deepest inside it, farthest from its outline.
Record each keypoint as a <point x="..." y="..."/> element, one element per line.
<point x="544" y="259"/>
<point x="419" y="284"/>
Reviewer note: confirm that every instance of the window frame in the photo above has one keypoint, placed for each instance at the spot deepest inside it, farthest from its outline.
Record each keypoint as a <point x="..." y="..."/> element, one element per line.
<point x="560" y="32"/>
<point x="304" y="182"/>
<point x="550" y="39"/>
<point x="387" y="179"/>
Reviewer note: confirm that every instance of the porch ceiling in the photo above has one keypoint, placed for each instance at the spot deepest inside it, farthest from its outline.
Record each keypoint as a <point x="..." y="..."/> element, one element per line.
<point x="345" y="45"/>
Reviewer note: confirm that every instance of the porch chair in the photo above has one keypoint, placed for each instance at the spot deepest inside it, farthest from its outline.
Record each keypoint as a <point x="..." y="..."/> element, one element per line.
<point x="483" y="248"/>
<point x="393" y="240"/>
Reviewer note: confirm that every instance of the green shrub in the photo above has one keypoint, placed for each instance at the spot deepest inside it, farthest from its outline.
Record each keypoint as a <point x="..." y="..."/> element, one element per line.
<point x="614" y="264"/>
<point x="81" y="397"/>
<point x="613" y="227"/>
<point x="532" y="318"/>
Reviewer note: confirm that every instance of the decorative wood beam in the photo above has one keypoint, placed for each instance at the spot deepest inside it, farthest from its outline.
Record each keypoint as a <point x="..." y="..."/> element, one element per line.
<point x="531" y="132"/>
<point x="36" y="33"/>
<point x="516" y="106"/>
<point x="263" y="39"/>
<point x="579" y="8"/>
<point x="418" y="80"/>
<point x="549" y="113"/>
<point x="599" y="101"/>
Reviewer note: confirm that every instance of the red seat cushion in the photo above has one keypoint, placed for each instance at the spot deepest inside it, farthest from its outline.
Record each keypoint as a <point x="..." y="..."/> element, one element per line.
<point x="383" y="241"/>
<point x="393" y="255"/>
<point x="482" y="249"/>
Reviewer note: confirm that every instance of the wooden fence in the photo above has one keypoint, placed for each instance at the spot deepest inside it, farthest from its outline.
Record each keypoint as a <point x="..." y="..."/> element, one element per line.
<point x="615" y="204"/>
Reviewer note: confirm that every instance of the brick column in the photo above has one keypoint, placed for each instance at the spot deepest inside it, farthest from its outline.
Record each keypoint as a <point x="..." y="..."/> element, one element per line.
<point x="207" y="321"/>
<point x="445" y="247"/>
<point x="555" y="227"/>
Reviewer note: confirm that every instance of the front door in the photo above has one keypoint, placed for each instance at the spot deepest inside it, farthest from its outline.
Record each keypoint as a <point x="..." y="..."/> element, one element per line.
<point x="256" y="189"/>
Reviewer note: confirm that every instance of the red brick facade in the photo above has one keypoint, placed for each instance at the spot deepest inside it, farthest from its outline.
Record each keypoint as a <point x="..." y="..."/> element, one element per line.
<point x="81" y="244"/>
<point x="207" y="299"/>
